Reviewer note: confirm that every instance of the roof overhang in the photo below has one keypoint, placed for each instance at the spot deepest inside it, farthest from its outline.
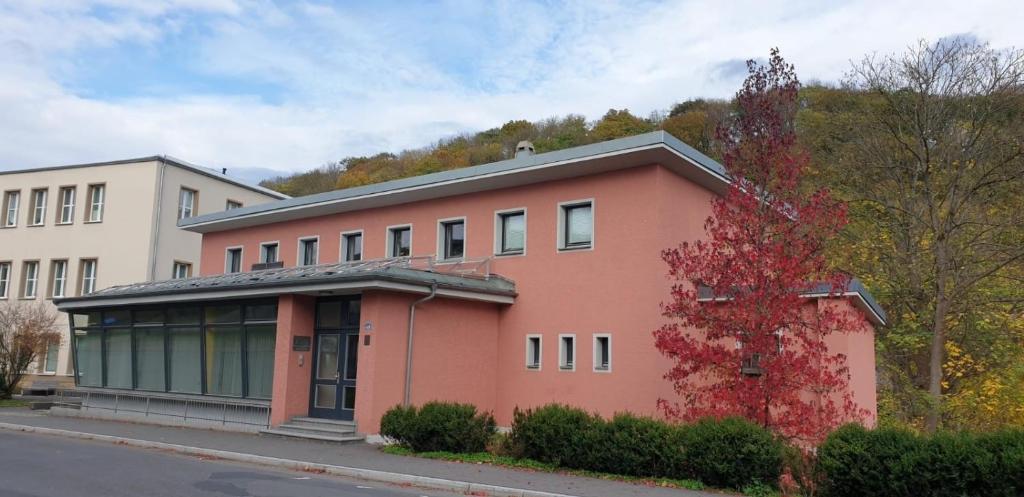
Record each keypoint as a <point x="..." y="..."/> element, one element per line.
<point x="855" y="291"/>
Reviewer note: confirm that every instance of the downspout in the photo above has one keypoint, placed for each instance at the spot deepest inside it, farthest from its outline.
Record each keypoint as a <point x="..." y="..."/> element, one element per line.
<point x="154" y="240"/>
<point x="408" y="350"/>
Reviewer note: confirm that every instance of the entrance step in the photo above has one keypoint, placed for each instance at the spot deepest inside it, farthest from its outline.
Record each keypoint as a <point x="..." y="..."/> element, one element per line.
<point x="322" y="421"/>
<point x="327" y="430"/>
<point x="291" y="432"/>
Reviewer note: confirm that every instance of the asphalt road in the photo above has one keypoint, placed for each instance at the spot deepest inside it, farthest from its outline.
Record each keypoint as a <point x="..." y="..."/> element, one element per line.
<point x="44" y="466"/>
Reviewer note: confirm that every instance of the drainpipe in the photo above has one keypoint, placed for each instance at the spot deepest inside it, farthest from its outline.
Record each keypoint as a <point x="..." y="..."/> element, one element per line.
<point x="408" y="351"/>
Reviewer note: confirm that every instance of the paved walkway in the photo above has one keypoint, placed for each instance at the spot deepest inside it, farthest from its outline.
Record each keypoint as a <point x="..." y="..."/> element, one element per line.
<point x="356" y="455"/>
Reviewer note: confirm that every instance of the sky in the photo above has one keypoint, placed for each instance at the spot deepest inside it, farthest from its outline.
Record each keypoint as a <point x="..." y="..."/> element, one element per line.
<point x="265" y="88"/>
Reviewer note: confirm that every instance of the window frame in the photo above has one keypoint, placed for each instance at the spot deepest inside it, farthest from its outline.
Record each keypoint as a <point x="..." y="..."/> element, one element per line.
<point x="442" y="239"/>
<point x="174" y="270"/>
<point x="597" y="367"/>
<point x="5" y="279"/>
<point x="52" y="293"/>
<point x="83" y="278"/>
<point x="263" y="251"/>
<point x="25" y="280"/>
<point x="499" y="232"/>
<point x="46" y="359"/>
<point x="530" y="365"/>
<point x="300" y="252"/>
<point x="62" y="204"/>
<point x="241" y="259"/>
<point x="563" y="225"/>
<point x="229" y="202"/>
<point x="563" y="365"/>
<point x="10" y="220"/>
<point x="93" y="203"/>
<point x="390" y="240"/>
<point x="343" y="255"/>
<point x="193" y="206"/>
<point x="37" y="211"/>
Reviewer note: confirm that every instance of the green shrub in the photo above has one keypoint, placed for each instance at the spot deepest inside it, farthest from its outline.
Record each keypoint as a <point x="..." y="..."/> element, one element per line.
<point x="732" y="453"/>
<point x="555" y="434"/>
<point x="637" y="446"/>
<point x="439" y="426"/>
<point x="861" y="462"/>
<point x="1003" y="473"/>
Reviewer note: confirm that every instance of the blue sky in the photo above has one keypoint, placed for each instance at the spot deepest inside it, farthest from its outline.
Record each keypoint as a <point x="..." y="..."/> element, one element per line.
<point x="261" y="86"/>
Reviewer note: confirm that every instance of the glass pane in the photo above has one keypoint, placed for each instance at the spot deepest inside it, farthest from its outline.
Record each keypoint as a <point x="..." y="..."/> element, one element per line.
<point x="352" y="314"/>
<point x="223" y="314"/>
<point x="149" y="362"/>
<point x="118" y="358"/>
<point x="149" y="316"/>
<point x="90" y="361"/>
<point x="513" y="234"/>
<point x="578" y="222"/>
<point x="326" y="396"/>
<point x="401" y="241"/>
<point x="350" y="398"/>
<point x="455" y="238"/>
<point x="327" y="357"/>
<point x="116" y="317"/>
<point x="91" y="319"/>
<point x="263" y="312"/>
<point x="184" y="355"/>
<point x="259" y="349"/>
<point x="224" y="360"/>
<point x="52" y="350"/>
<point x="183" y="315"/>
<point x="354" y="250"/>
<point x="351" y="356"/>
<point x="328" y="314"/>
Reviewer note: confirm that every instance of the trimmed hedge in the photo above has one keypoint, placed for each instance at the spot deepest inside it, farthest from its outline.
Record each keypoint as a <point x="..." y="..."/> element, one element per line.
<point x="438" y="426"/>
<point x="893" y="463"/>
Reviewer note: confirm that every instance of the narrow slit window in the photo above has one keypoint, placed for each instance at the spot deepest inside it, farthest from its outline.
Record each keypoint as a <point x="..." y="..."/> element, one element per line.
<point x="602" y="353"/>
<point x="533" y="352"/>
<point x="567" y="352"/>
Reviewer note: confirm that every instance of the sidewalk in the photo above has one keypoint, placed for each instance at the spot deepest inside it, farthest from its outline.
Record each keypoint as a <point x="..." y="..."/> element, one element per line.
<point x="356" y="455"/>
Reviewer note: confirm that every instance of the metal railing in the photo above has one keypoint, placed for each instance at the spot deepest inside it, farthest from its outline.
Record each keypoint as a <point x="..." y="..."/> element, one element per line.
<point x="185" y="409"/>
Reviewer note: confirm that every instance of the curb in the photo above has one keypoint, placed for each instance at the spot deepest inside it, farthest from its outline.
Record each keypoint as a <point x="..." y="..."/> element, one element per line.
<point x="358" y="473"/>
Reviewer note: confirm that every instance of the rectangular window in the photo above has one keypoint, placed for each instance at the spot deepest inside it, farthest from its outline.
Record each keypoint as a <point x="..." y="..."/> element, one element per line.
<point x="181" y="270"/>
<point x="88" y="277"/>
<point x="224" y="360"/>
<point x="5" y="279"/>
<point x="453" y="239"/>
<point x="511" y="236"/>
<point x="89" y="358"/>
<point x="602" y="352"/>
<point x="259" y="353"/>
<point x="184" y="351"/>
<point x="11" y="204"/>
<point x="268" y="253"/>
<point x="567" y="352"/>
<point x="308" y="251"/>
<point x="67" y="205"/>
<point x="533" y="352"/>
<point x="59" y="281"/>
<point x="577" y="225"/>
<point x="352" y="246"/>
<point x="186" y="203"/>
<point x="233" y="262"/>
<point x="37" y="215"/>
<point x="400" y="241"/>
<point x="52" y="354"/>
<point x="97" y="197"/>
<point x="149" y="359"/>
<point x="117" y="355"/>
<point x="30" y="279"/>
<point x="232" y="204"/>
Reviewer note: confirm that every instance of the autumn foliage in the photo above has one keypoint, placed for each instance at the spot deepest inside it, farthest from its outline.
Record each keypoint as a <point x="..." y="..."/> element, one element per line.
<point x="744" y="338"/>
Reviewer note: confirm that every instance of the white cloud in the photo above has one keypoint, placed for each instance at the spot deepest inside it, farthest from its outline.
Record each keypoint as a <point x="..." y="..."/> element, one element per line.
<point x="357" y="80"/>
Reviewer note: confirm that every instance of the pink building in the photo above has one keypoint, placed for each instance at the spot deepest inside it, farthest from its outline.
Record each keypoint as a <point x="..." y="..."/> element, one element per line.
<point x="518" y="283"/>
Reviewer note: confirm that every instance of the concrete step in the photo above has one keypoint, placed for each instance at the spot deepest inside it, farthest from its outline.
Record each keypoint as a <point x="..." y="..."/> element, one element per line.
<point x="281" y="431"/>
<point x="321" y="421"/>
<point x="317" y="428"/>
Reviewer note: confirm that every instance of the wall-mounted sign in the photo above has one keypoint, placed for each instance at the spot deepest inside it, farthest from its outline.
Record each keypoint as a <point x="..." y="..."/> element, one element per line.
<point x="301" y="344"/>
<point x="368" y="326"/>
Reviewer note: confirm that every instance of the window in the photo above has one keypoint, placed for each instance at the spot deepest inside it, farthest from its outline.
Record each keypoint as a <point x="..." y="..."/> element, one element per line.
<point x="88" y="276"/>
<point x="67" y="205"/>
<point x="59" y="281"/>
<point x="11" y="202"/>
<point x="400" y="241"/>
<point x="308" y="255"/>
<point x="37" y="215"/>
<point x="268" y="252"/>
<point x="150" y="373"/>
<point x="352" y="246"/>
<point x="97" y="196"/>
<point x="602" y="352"/>
<point x="510" y="238"/>
<point x="5" y="279"/>
<point x="186" y="203"/>
<point x="232" y="204"/>
<point x="181" y="270"/>
<point x="453" y="239"/>
<point x="52" y="354"/>
<point x="233" y="261"/>
<point x="567" y="352"/>
<point x="533" y="352"/>
<point x="30" y="281"/>
<point x="576" y="230"/>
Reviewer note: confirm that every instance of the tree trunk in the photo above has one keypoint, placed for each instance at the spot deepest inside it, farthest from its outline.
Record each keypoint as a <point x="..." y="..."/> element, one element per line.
<point x="938" y="346"/>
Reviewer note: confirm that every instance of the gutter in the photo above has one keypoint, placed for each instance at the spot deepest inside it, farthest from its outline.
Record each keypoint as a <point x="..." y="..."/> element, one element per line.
<point x="408" y="349"/>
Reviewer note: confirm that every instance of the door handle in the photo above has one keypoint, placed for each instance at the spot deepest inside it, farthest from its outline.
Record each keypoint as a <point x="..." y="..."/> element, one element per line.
<point x="337" y="376"/>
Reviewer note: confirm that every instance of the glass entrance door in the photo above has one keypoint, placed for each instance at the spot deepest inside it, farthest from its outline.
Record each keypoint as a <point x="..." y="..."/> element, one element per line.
<point x="336" y="361"/>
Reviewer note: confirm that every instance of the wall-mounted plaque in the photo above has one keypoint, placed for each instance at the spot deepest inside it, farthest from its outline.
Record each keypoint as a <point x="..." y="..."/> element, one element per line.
<point x="301" y="344"/>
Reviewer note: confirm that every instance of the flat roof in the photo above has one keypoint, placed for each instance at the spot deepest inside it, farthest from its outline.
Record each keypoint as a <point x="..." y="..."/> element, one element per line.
<point x="166" y="159"/>
<point x="854" y="289"/>
<point x="657" y="147"/>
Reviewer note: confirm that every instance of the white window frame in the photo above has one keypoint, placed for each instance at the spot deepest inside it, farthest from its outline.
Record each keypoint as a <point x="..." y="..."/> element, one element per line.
<point x="530" y="366"/>
<point x="263" y="251"/>
<point x="58" y="276"/>
<point x="11" y="212"/>
<point x="300" y="252"/>
<point x="46" y="358"/>
<point x="562" y="366"/>
<point x="96" y="206"/>
<point x="389" y="241"/>
<point x="562" y="220"/>
<point x="5" y="279"/>
<point x="34" y="280"/>
<point x="241" y="259"/>
<point x="88" y="282"/>
<point x="191" y="205"/>
<point x="343" y="249"/>
<point x="228" y="203"/>
<point x="38" y="212"/>
<point x="65" y="207"/>
<point x="499" y="228"/>
<point x="596" y="354"/>
<point x="186" y="265"/>
<point x="441" y="249"/>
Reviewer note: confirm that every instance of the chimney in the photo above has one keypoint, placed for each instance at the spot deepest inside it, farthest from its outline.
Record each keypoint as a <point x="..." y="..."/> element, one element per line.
<point x="523" y="149"/>
<point x="223" y="170"/>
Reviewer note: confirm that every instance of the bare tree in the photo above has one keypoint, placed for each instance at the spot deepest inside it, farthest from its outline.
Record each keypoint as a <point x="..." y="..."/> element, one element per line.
<point x="939" y="160"/>
<point x="25" y="332"/>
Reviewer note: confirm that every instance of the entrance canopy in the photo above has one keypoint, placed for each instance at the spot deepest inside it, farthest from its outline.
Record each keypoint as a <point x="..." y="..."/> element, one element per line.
<point x="469" y="280"/>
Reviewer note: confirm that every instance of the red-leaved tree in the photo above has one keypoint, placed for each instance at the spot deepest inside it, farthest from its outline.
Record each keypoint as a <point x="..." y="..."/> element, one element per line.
<point x="745" y="339"/>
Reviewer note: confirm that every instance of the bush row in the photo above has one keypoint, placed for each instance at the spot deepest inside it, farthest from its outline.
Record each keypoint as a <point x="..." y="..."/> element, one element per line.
<point x="438" y="426"/>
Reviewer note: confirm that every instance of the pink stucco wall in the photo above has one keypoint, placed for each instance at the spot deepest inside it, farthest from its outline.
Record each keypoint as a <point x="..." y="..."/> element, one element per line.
<point x="291" y="369"/>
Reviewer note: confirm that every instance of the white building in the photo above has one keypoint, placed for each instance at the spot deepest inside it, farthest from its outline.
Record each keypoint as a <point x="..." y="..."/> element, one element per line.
<point x="70" y="230"/>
